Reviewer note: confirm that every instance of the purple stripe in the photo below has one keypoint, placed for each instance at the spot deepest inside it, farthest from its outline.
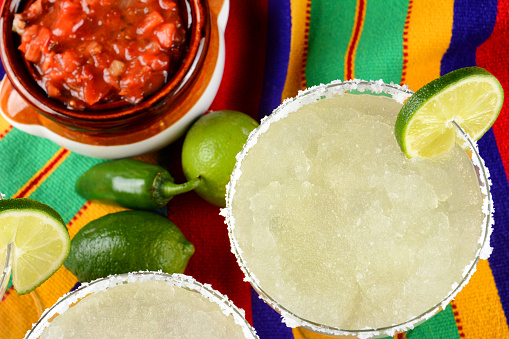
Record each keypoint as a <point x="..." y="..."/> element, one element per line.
<point x="473" y="23"/>
<point x="279" y="33"/>
<point x="499" y="259"/>
<point x="266" y="321"/>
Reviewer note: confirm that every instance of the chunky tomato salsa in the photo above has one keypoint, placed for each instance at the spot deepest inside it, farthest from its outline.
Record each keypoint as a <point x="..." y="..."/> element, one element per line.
<point x="87" y="52"/>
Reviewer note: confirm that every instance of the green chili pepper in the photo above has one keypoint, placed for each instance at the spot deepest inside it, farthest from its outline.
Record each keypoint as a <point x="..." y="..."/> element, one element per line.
<point x="131" y="183"/>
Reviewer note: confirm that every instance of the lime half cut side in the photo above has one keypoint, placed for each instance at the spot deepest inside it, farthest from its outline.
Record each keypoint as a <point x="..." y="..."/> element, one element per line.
<point x="470" y="97"/>
<point x="40" y="241"/>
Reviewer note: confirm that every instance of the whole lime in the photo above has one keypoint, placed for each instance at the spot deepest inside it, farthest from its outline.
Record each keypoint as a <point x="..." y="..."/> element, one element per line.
<point x="209" y="151"/>
<point x="128" y="241"/>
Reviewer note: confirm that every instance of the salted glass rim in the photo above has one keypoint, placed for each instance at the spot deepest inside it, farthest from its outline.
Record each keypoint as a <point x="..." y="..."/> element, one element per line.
<point x="5" y="266"/>
<point x="312" y="94"/>
<point x="175" y="279"/>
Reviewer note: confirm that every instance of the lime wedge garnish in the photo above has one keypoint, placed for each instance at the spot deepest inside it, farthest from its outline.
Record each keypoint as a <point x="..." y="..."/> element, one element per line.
<point x="40" y="241"/>
<point x="470" y="97"/>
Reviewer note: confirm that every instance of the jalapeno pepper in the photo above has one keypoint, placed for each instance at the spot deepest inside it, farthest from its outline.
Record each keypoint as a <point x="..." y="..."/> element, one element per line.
<point x="131" y="183"/>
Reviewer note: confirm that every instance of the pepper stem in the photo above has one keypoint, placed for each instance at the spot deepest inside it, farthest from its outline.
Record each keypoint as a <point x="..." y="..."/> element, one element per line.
<point x="170" y="189"/>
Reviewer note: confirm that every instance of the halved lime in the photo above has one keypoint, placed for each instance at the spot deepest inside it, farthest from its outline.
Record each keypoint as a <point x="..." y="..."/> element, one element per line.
<point x="40" y="238"/>
<point x="471" y="97"/>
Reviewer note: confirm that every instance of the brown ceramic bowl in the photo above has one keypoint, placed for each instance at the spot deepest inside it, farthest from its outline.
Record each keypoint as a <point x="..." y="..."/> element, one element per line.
<point x="116" y="116"/>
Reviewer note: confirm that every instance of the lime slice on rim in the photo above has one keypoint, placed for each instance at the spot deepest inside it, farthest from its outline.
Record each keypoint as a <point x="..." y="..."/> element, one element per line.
<point x="471" y="97"/>
<point x="40" y="241"/>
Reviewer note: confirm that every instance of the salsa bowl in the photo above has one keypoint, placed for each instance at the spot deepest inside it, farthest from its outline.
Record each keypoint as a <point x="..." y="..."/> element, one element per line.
<point x="119" y="129"/>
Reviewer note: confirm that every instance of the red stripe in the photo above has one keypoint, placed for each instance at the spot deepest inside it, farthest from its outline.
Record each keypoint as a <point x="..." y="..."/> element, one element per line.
<point x="405" y="43"/>
<point x="41" y="175"/>
<point x="77" y="215"/>
<point x="355" y="38"/>
<point x="4" y="133"/>
<point x="245" y="45"/>
<point x="457" y="319"/>
<point x="305" y="48"/>
<point x="241" y="90"/>
<point x="498" y="64"/>
<point x="7" y="292"/>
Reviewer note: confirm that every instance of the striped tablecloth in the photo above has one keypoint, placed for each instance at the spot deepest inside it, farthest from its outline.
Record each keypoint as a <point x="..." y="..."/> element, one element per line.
<point x="273" y="49"/>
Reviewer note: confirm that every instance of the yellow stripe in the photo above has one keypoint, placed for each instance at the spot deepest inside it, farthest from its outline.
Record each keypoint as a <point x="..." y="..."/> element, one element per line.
<point x="41" y="175"/>
<point x="295" y="77"/>
<point x="478" y="306"/>
<point x="300" y="333"/>
<point x="429" y="35"/>
<point x="5" y="127"/>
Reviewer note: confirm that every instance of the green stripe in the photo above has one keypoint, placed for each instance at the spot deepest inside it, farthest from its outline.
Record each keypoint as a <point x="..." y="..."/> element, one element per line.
<point x="21" y="156"/>
<point x="442" y="325"/>
<point x="57" y="190"/>
<point x="380" y="49"/>
<point x="330" y="29"/>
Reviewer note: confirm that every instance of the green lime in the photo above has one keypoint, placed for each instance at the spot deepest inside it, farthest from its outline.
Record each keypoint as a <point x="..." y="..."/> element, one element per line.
<point x="125" y="242"/>
<point x="470" y="97"/>
<point x="209" y="151"/>
<point x="40" y="241"/>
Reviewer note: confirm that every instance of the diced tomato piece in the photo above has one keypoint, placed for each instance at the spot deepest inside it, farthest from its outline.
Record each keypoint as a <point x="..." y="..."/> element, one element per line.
<point x="28" y="35"/>
<point x="38" y="46"/>
<point x="155" y="82"/>
<point x="92" y="88"/>
<point x="151" y="21"/>
<point x="67" y="61"/>
<point x="34" y="10"/>
<point x="101" y="60"/>
<point x="153" y="47"/>
<point x="93" y="48"/>
<point x="55" y="75"/>
<point x="70" y="14"/>
<point x="48" y="62"/>
<point x="165" y="34"/>
<point x="130" y="81"/>
<point x="111" y="80"/>
<point x="157" y="62"/>
<point x="91" y="3"/>
<point x="53" y="91"/>
<point x="167" y="4"/>
<point x="91" y="92"/>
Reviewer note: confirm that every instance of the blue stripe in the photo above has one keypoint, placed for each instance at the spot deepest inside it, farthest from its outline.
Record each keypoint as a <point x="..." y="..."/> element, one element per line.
<point x="499" y="259"/>
<point x="473" y="23"/>
<point x="266" y="321"/>
<point x="279" y="32"/>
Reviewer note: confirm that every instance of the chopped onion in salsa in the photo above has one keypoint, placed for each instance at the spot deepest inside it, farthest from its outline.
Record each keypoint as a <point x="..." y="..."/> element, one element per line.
<point x="87" y="52"/>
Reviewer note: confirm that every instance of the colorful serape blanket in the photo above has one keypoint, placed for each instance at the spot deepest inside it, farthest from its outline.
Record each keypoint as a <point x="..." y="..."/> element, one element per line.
<point x="273" y="49"/>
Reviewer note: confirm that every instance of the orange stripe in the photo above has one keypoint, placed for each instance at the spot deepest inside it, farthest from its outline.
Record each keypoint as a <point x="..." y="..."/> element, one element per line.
<point x="358" y="25"/>
<point x="405" y="42"/>
<point x="296" y="73"/>
<point x="477" y="308"/>
<point x="42" y="174"/>
<point x="427" y="33"/>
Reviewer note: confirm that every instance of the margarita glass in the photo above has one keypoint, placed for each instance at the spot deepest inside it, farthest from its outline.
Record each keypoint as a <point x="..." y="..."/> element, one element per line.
<point x="354" y="267"/>
<point x="154" y="304"/>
